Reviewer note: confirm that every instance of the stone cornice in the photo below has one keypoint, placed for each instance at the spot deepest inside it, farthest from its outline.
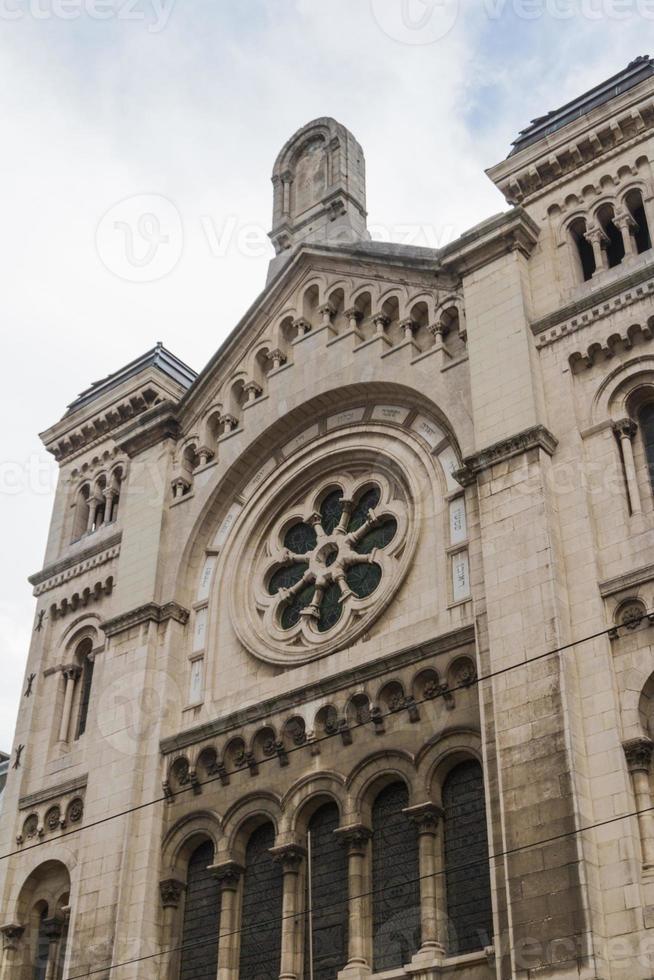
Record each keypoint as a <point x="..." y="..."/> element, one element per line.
<point x="151" y="612"/>
<point x="629" y="580"/>
<point x="82" y="561"/>
<point x="579" y="145"/>
<point x="595" y="305"/>
<point x="330" y="685"/>
<point x="31" y="800"/>
<point x="148" y="430"/>
<point x="536" y="437"/>
<point x="510" y="231"/>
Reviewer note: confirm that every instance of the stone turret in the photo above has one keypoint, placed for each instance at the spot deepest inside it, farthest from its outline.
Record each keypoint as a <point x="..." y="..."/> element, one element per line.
<point x="319" y="184"/>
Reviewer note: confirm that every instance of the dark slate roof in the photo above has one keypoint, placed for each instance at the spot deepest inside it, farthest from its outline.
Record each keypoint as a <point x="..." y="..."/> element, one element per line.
<point x="636" y="71"/>
<point x="159" y="357"/>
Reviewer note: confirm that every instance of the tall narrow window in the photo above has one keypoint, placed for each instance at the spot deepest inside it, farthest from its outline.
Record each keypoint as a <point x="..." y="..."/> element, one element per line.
<point x="583" y="248"/>
<point x="84" y="655"/>
<point x="395" y="880"/>
<point x="325" y="950"/>
<point x="81" y="516"/>
<point x="641" y="235"/>
<point x="42" y="950"/>
<point x="613" y="243"/>
<point x="261" y="923"/>
<point x="646" y="422"/>
<point x="201" y="928"/>
<point x="467" y="876"/>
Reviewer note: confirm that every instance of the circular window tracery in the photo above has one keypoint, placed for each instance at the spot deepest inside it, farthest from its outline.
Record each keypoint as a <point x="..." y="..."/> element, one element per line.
<point x="329" y="558"/>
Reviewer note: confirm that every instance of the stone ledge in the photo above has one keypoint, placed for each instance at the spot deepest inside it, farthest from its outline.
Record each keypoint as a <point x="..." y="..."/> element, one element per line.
<point x="151" y="612"/>
<point x="44" y="795"/>
<point x="537" y="437"/>
<point x="70" y="564"/>
<point x="629" y="580"/>
<point x="463" y="636"/>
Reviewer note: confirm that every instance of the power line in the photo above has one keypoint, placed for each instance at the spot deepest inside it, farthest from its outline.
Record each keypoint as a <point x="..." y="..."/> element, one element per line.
<point x="316" y="741"/>
<point x="351" y="898"/>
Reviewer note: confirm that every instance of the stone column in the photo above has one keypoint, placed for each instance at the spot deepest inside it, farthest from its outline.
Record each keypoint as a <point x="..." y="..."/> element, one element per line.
<point x="355" y="839"/>
<point x="53" y="929"/>
<point x="229" y="876"/>
<point x="94" y="503"/>
<point x="381" y="322"/>
<point x="171" y="891"/>
<point x="596" y="236"/>
<point x="277" y="357"/>
<point x="354" y="316"/>
<point x="327" y="312"/>
<point x="11" y="936"/>
<point x="252" y="391"/>
<point x="109" y="497"/>
<point x="71" y="673"/>
<point x="433" y="920"/>
<point x="291" y="857"/>
<point x="626" y="225"/>
<point x="638" y="752"/>
<point x="408" y="326"/>
<point x="626" y="429"/>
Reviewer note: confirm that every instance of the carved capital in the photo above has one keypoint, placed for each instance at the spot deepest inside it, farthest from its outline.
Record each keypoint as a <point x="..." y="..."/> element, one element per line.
<point x="302" y="326"/>
<point x="354" y="313"/>
<point x="638" y="753"/>
<point x="354" y="838"/>
<point x="53" y="929"/>
<point x="409" y="326"/>
<point x="171" y="891"/>
<point x="625" y="428"/>
<point x="290" y="856"/>
<point x="227" y="875"/>
<point x="425" y="816"/>
<point x="71" y="672"/>
<point x="277" y="356"/>
<point x="381" y="321"/>
<point x="327" y="310"/>
<point x="11" y="935"/>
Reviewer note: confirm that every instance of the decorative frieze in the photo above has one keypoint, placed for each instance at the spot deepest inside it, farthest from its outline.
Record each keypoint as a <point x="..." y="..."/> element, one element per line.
<point x="80" y="600"/>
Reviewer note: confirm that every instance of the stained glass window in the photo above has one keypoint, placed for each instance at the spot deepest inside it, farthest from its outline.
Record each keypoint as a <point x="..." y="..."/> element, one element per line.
<point x="319" y="571"/>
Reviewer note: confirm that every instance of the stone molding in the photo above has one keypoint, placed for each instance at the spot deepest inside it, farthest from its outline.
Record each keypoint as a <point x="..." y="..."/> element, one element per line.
<point x="638" y="753"/>
<point x="53" y="792"/>
<point x="462" y="637"/>
<point x="62" y="571"/>
<point x="628" y="580"/>
<point x="151" y="612"/>
<point x="510" y="231"/>
<point x="596" y="305"/>
<point x="536" y="437"/>
<point x="150" y="429"/>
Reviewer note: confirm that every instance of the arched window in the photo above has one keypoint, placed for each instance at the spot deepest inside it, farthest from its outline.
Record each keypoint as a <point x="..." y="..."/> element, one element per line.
<point x="583" y="249"/>
<point x="325" y="948"/>
<point x="42" y="951"/>
<point x="85" y="659"/>
<point x="201" y="928"/>
<point x="646" y="424"/>
<point x="467" y="876"/>
<point x="640" y="233"/>
<point x="395" y="880"/>
<point x="613" y="243"/>
<point x="81" y="516"/>
<point x="261" y="921"/>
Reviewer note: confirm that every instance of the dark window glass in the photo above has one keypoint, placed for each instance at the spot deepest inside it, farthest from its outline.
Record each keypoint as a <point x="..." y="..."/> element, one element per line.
<point x="295" y="605"/>
<point x="328" y="918"/>
<point x="467" y="876"/>
<point x="300" y="538"/>
<point x="367" y="501"/>
<point x="395" y="881"/>
<point x="85" y="696"/>
<point x="615" y="245"/>
<point x="641" y="236"/>
<point x="363" y="579"/>
<point x="646" y="419"/>
<point x="331" y="608"/>
<point x="42" y="950"/>
<point x="199" y="954"/>
<point x="584" y="249"/>
<point x="261" y="924"/>
<point x="377" y="537"/>
<point x="331" y="511"/>
<point x="286" y="577"/>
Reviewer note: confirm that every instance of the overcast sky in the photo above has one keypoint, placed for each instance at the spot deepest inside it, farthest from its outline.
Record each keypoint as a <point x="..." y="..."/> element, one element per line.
<point x="115" y="109"/>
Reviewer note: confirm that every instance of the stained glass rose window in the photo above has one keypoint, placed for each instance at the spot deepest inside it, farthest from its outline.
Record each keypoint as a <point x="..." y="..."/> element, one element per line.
<point x="331" y="557"/>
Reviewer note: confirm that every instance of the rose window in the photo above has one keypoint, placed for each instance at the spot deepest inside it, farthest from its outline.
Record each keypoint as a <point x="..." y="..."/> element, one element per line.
<point x="331" y="559"/>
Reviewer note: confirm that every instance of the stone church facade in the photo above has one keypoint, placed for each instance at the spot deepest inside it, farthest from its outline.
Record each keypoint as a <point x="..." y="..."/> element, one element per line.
<point x="342" y="658"/>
